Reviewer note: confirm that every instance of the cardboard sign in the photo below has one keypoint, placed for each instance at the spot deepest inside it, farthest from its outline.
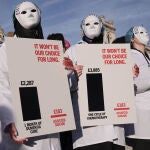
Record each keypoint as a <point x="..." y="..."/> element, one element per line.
<point x="106" y="91"/>
<point x="39" y="87"/>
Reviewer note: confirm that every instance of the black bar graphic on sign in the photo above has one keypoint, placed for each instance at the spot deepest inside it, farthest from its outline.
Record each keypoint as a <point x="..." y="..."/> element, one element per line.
<point x="29" y="103"/>
<point x="95" y="92"/>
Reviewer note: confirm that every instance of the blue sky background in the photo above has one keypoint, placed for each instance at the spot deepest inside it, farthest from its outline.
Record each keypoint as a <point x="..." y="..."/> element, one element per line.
<point x="65" y="15"/>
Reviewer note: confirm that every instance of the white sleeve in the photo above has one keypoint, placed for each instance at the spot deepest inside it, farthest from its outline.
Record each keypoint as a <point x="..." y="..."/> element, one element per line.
<point x="70" y="53"/>
<point x="72" y="77"/>
<point x="143" y="80"/>
<point x="6" y="108"/>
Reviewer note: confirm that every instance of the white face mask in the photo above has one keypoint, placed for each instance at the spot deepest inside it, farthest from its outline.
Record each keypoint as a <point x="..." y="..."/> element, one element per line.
<point x="141" y="34"/>
<point x="92" y="27"/>
<point x="28" y="15"/>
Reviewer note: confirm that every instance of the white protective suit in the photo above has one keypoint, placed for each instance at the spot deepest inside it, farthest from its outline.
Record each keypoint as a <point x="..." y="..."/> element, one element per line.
<point x="142" y="82"/>
<point x="46" y="142"/>
<point x="84" y="136"/>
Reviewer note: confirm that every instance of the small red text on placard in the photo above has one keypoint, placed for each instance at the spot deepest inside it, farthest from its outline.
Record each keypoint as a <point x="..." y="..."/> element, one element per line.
<point x="114" y="56"/>
<point x="47" y="53"/>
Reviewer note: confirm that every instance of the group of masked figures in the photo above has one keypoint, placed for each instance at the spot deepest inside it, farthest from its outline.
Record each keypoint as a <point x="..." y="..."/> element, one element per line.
<point x="27" y="24"/>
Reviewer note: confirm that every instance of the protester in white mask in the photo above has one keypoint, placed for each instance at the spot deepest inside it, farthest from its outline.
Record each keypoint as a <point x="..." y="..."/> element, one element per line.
<point x="139" y="38"/>
<point x="91" y="27"/>
<point x="27" y="24"/>
<point x="141" y="34"/>
<point x="28" y="15"/>
<point x="95" y="137"/>
<point x="27" y="21"/>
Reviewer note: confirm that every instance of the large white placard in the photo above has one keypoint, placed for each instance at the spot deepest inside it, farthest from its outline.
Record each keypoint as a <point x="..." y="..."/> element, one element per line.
<point x="39" y="85"/>
<point x="106" y="91"/>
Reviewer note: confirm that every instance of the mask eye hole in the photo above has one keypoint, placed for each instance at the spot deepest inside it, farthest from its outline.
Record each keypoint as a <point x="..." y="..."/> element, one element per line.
<point x="33" y="10"/>
<point x="23" y="12"/>
<point x="87" y="24"/>
<point x="141" y="32"/>
<point x="96" y="23"/>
